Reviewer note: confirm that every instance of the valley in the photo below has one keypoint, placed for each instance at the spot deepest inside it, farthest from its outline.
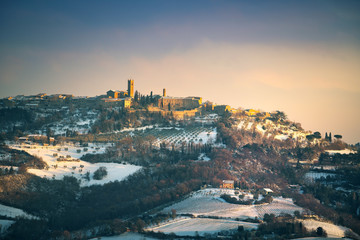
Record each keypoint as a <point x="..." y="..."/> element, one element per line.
<point x="79" y="171"/>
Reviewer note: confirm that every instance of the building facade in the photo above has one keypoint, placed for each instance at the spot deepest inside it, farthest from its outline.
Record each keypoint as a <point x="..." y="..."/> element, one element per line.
<point x="122" y="94"/>
<point x="174" y="103"/>
<point x="131" y="88"/>
<point x="229" y="184"/>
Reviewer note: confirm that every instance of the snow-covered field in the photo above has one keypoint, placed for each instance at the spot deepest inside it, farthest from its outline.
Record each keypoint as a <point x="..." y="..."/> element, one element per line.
<point x="345" y="151"/>
<point x="77" y="168"/>
<point x="325" y="167"/>
<point x="14" y="212"/>
<point x="172" y="135"/>
<point x="4" y="225"/>
<point x="317" y="175"/>
<point x="278" y="206"/>
<point x="207" y="202"/>
<point x="332" y="230"/>
<point x="207" y="119"/>
<point x="179" y="135"/>
<point x="79" y="122"/>
<point x="191" y="226"/>
<point x="269" y="128"/>
<point x="126" y="236"/>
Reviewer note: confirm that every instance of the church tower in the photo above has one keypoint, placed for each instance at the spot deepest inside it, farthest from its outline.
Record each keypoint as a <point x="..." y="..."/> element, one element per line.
<point x="164" y="92"/>
<point x="131" y="88"/>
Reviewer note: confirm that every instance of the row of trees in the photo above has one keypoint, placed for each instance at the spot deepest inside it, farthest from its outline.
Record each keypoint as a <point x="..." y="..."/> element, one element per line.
<point x="310" y="202"/>
<point x="67" y="206"/>
<point x="287" y="228"/>
<point x="114" y="119"/>
<point x="229" y="199"/>
<point x="140" y="150"/>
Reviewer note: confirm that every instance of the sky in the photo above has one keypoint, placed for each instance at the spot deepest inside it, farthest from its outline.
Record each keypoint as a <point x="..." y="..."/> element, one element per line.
<point x="300" y="57"/>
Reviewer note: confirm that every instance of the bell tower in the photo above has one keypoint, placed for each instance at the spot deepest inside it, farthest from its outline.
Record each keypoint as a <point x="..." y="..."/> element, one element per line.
<point x="131" y="88"/>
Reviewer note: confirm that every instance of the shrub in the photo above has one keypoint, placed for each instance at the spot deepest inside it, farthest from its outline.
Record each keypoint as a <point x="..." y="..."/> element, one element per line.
<point x="100" y="173"/>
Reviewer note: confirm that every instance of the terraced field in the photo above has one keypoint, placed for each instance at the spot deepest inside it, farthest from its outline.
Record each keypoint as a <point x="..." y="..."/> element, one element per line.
<point x="201" y="226"/>
<point x="170" y="135"/>
<point x="207" y="202"/>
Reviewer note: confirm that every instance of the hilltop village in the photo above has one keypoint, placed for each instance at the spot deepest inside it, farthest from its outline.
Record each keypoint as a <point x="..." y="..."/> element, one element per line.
<point x="150" y="166"/>
<point x="179" y="107"/>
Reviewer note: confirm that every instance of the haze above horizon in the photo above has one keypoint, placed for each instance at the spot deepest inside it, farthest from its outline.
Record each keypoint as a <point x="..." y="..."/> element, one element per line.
<point x="300" y="57"/>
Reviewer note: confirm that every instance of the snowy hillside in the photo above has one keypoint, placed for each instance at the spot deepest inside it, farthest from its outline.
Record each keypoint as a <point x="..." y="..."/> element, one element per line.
<point x="14" y="212"/>
<point x="126" y="236"/>
<point x="64" y="161"/>
<point x="79" y="121"/>
<point x="170" y="135"/>
<point x="207" y="202"/>
<point x="333" y="231"/>
<point x="269" y="128"/>
<point x="191" y="226"/>
<point x="4" y="225"/>
<point x="345" y="151"/>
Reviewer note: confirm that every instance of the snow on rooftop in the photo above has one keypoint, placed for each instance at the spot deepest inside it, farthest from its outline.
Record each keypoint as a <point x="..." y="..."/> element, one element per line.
<point x="268" y="190"/>
<point x="228" y="181"/>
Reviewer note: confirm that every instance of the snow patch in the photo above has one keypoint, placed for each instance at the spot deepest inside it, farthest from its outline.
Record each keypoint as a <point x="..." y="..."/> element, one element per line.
<point x="4" y="225"/>
<point x="207" y="202"/>
<point x="331" y="229"/>
<point x="203" y="157"/>
<point x="126" y="236"/>
<point x="201" y="226"/>
<point x="281" y="137"/>
<point x="345" y="151"/>
<point x="14" y="212"/>
<point x="76" y="168"/>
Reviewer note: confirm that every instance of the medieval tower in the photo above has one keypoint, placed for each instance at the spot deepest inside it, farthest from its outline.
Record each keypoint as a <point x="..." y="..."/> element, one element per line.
<point x="131" y="88"/>
<point x="164" y="92"/>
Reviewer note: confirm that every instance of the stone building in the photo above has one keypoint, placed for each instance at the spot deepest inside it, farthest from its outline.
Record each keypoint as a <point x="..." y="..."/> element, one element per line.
<point x="221" y="109"/>
<point x="122" y="94"/>
<point x="122" y="102"/>
<point x="229" y="184"/>
<point x="131" y="88"/>
<point x="174" y="103"/>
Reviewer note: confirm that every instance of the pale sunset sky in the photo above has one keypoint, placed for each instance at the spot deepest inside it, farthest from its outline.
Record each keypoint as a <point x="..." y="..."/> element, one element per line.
<point x="300" y="57"/>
